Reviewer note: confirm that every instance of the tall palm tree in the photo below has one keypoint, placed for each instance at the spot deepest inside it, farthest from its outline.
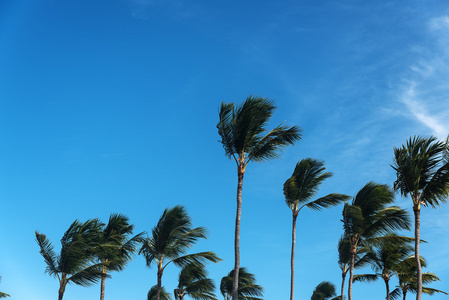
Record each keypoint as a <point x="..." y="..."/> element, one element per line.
<point x="423" y="173"/>
<point x="368" y="217"/>
<point x="115" y="247"/>
<point x="407" y="280"/>
<point x="387" y="259"/>
<point x="171" y="238"/>
<point x="245" y="138"/>
<point x="324" y="290"/>
<point x="76" y="261"/>
<point x="248" y="289"/>
<point x="193" y="281"/>
<point x="299" y="192"/>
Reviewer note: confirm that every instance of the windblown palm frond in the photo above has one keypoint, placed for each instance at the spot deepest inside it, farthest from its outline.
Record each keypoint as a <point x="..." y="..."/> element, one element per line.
<point x="248" y="289"/>
<point x="323" y="291"/>
<point x="152" y="293"/>
<point x="193" y="282"/>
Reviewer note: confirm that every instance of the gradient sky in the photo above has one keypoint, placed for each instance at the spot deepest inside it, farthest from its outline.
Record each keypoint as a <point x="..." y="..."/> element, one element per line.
<point x="111" y="106"/>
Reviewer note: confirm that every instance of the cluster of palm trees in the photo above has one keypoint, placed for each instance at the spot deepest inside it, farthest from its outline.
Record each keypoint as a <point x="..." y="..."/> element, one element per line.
<point x="91" y="250"/>
<point x="369" y="221"/>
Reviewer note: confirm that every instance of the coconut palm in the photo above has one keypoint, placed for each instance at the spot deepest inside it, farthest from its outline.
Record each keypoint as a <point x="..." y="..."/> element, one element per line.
<point x="3" y="295"/>
<point x="248" y="289"/>
<point x="423" y="173"/>
<point x="299" y="191"/>
<point x="152" y="293"/>
<point x="171" y="238"/>
<point x="76" y="261"/>
<point x="387" y="259"/>
<point x="193" y="281"/>
<point x="115" y="247"/>
<point x="245" y="139"/>
<point x="368" y="217"/>
<point x="324" y="291"/>
<point x="407" y="280"/>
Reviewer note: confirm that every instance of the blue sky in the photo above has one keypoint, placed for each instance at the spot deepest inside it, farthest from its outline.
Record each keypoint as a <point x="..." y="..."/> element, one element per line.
<point x="111" y="106"/>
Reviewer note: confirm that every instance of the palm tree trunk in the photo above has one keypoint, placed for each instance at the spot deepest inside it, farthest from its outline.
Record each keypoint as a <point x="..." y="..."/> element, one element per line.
<point x="343" y="278"/>
<point x="417" y="211"/>
<point x="292" y="258"/>
<point x="351" y="273"/>
<point x="235" y="281"/>
<point x="159" y="284"/>
<point x="404" y="295"/>
<point x="62" y="285"/>
<point x="103" y="283"/>
<point x="388" y="289"/>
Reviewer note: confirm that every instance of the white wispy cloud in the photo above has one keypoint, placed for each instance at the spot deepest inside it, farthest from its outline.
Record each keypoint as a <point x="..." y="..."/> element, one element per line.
<point x="425" y="93"/>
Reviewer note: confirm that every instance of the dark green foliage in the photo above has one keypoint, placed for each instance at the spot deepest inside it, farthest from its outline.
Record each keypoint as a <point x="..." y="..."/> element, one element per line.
<point x="193" y="282"/>
<point x="323" y="291"/>
<point x="247" y="287"/>
<point x="152" y="294"/>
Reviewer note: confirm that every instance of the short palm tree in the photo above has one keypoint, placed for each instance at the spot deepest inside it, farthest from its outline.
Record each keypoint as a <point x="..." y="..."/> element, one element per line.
<point x="423" y="173"/>
<point x="407" y="281"/>
<point x="3" y="295"/>
<point x="245" y="138"/>
<point x="248" y="289"/>
<point x="368" y="218"/>
<point x="76" y="261"/>
<point x="171" y="238"/>
<point x="193" y="281"/>
<point x="325" y="290"/>
<point x="299" y="192"/>
<point x="387" y="259"/>
<point x="163" y="294"/>
<point x="115" y="247"/>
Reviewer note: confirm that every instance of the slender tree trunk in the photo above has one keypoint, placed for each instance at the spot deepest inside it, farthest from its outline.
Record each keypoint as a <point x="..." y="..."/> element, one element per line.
<point x="387" y="285"/>
<point x="351" y="273"/>
<point x="159" y="283"/>
<point x="343" y="278"/>
<point x="404" y="294"/>
<point x="292" y="258"/>
<point x="103" y="283"/>
<point x="417" y="211"/>
<point x="62" y="285"/>
<point x="235" y="281"/>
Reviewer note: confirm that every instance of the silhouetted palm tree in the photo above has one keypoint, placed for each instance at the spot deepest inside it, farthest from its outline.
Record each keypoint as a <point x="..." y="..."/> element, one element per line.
<point x="368" y="218"/>
<point x="115" y="247"/>
<point x="423" y="173"/>
<point x="76" y="261"/>
<point x="324" y="291"/>
<point x="193" y="282"/>
<point x="299" y="191"/>
<point x="171" y="238"/>
<point x="152" y="293"/>
<point x="248" y="289"/>
<point x="245" y="138"/>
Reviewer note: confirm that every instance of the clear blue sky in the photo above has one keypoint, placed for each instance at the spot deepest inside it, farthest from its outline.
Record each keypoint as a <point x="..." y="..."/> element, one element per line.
<point x="111" y="106"/>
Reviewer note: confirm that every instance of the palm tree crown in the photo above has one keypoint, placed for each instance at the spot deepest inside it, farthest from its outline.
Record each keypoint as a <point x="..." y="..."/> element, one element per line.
<point x="171" y="238"/>
<point x="244" y="138"/>
<point x="76" y="261"/>
<point x="248" y="289"/>
<point x="193" y="281"/>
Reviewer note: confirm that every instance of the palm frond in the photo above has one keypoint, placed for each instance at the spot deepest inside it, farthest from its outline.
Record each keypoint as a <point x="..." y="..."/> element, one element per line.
<point x="48" y="253"/>
<point x="366" y="277"/>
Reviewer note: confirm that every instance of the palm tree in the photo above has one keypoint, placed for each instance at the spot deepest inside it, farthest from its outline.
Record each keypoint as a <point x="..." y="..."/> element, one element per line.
<point x="170" y="240"/>
<point x="248" y="289"/>
<point x="387" y="259"/>
<point x="245" y="138"/>
<point x="423" y="173"/>
<point x="114" y="246"/>
<point x="407" y="280"/>
<point x="324" y="291"/>
<point x="367" y="218"/>
<point x="193" y="281"/>
<point x="152" y="293"/>
<point x="299" y="192"/>
<point x="76" y="261"/>
<point x="3" y="295"/>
